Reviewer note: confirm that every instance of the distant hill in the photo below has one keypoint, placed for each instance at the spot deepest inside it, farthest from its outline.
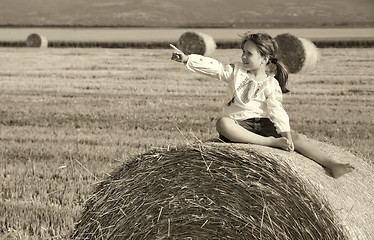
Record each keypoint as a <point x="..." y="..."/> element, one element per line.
<point x="188" y="13"/>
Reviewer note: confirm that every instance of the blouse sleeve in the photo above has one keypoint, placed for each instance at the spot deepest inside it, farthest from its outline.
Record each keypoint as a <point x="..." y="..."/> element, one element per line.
<point x="276" y="111"/>
<point x="210" y="67"/>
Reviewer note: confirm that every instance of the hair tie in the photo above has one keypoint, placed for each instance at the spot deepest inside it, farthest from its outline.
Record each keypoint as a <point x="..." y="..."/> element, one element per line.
<point x="274" y="60"/>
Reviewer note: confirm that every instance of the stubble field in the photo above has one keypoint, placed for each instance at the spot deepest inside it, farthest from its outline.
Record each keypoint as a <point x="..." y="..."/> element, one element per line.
<point x="69" y="116"/>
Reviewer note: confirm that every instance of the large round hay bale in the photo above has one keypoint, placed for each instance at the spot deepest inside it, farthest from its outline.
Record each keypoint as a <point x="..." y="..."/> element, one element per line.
<point x="37" y="41"/>
<point x="196" y="43"/>
<point x="207" y="191"/>
<point x="297" y="54"/>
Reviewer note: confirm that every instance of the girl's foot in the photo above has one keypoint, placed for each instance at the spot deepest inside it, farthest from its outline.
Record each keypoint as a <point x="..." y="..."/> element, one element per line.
<point x="280" y="142"/>
<point x="340" y="169"/>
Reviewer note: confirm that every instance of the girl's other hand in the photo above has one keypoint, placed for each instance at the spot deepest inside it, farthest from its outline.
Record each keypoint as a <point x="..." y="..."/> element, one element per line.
<point x="291" y="146"/>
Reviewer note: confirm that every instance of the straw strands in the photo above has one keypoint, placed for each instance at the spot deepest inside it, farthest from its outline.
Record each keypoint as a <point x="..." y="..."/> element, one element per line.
<point x="196" y="43"/>
<point x="297" y="54"/>
<point x="37" y="41"/>
<point x="206" y="191"/>
<point x="350" y="197"/>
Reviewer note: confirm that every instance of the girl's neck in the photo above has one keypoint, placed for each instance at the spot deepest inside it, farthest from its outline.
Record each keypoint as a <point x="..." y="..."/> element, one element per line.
<point x="258" y="74"/>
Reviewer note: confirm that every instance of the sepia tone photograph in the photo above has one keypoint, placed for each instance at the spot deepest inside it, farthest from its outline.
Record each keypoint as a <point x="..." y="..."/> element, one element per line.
<point x="191" y="120"/>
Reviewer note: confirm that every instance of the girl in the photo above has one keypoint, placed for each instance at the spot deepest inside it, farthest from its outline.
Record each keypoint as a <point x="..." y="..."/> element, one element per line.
<point x="253" y="111"/>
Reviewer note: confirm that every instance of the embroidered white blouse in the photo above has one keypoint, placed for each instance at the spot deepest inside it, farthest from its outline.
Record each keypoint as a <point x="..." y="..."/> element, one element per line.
<point x="246" y="98"/>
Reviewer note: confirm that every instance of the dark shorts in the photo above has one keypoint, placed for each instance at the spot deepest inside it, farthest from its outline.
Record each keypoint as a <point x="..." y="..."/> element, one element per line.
<point x="260" y="126"/>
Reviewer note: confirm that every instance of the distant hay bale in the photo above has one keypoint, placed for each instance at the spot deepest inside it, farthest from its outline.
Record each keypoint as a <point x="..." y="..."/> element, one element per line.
<point x="297" y="54"/>
<point x="196" y="43"/>
<point x="206" y="191"/>
<point x="37" y="41"/>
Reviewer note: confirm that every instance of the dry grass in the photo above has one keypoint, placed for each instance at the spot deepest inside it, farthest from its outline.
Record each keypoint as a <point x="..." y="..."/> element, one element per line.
<point x="350" y="197"/>
<point x="206" y="191"/>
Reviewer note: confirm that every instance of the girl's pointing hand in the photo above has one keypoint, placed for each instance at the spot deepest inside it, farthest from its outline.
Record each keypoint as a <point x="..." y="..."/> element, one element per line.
<point x="178" y="55"/>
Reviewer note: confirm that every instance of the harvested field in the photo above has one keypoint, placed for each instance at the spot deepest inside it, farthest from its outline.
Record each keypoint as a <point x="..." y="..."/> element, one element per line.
<point x="69" y="116"/>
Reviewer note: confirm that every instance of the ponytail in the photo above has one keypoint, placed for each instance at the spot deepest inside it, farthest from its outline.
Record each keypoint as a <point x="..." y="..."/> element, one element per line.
<point x="281" y="74"/>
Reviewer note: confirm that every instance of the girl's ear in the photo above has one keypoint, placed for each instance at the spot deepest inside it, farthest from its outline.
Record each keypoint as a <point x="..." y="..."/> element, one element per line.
<point x="265" y="60"/>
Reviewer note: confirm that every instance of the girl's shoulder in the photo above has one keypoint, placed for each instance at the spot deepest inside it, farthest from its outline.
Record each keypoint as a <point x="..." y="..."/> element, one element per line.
<point x="272" y="80"/>
<point x="272" y="84"/>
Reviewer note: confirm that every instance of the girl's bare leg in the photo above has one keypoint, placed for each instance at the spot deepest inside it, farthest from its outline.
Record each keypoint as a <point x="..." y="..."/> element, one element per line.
<point x="303" y="146"/>
<point x="228" y="128"/>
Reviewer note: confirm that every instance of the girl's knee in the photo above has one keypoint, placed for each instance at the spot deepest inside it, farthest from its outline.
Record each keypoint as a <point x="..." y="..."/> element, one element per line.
<point x="223" y="123"/>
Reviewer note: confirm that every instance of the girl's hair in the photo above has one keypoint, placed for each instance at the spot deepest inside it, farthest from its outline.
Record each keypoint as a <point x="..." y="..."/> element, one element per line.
<point x="268" y="47"/>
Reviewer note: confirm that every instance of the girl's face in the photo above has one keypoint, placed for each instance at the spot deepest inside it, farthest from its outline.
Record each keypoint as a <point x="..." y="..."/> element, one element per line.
<point x="251" y="57"/>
